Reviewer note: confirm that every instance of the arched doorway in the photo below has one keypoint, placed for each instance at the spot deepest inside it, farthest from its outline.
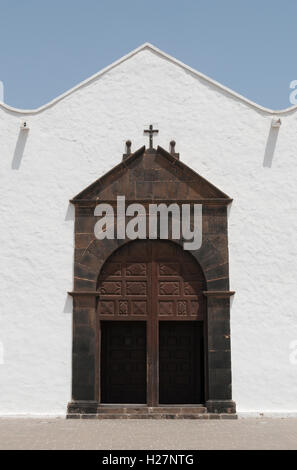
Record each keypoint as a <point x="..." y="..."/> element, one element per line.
<point x="150" y="326"/>
<point x="154" y="290"/>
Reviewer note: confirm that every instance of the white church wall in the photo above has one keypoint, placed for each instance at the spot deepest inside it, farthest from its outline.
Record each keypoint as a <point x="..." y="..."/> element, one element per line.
<point x="78" y="138"/>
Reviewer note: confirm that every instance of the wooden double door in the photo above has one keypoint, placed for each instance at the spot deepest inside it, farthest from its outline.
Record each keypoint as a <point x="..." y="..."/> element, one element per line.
<point x="151" y="322"/>
<point x="124" y="362"/>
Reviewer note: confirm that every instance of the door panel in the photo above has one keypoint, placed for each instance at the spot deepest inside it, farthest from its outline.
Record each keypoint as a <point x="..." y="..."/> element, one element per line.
<point x="179" y="283"/>
<point x="123" y="370"/>
<point x="180" y="363"/>
<point x="124" y="283"/>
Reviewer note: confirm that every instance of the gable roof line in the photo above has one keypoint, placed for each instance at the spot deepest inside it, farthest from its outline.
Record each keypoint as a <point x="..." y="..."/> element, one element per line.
<point x="125" y="163"/>
<point x="183" y="165"/>
<point x="170" y="58"/>
<point x="121" y="164"/>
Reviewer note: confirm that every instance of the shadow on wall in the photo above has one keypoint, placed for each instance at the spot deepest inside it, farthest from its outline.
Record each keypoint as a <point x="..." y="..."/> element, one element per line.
<point x="270" y="146"/>
<point x="70" y="213"/>
<point x="69" y="216"/>
<point x="19" y="150"/>
<point x="68" y="305"/>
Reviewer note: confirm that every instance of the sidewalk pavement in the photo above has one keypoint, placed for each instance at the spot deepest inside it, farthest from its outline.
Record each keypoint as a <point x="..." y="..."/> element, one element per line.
<point x="59" y="433"/>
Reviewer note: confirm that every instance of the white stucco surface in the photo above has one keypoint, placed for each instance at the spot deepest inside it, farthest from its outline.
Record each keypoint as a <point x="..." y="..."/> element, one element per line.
<point x="78" y="138"/>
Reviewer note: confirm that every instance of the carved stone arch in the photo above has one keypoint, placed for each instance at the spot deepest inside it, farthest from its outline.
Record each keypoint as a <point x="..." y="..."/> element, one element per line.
<point x="213" y="262"/>
<point x="99" y="251"/>
<point x="152" y="176"/>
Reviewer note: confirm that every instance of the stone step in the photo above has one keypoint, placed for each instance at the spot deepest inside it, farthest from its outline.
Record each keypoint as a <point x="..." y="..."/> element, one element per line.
<point x="105" y="409"/>
<point x="152" y="416"/>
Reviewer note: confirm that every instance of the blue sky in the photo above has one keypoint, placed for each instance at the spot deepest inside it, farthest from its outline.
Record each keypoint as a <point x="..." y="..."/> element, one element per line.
<point x="47" y="47"/>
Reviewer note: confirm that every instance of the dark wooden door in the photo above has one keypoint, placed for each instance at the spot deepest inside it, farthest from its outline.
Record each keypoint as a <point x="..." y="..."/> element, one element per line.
<point x="180" y="362"/>
<point x="151" y="282"/>
<point x="123" y="370"/>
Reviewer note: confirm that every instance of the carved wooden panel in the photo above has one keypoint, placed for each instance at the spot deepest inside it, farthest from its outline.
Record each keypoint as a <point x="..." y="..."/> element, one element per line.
<point x="179" y="281"/>
<point x="151" y="277"/>
<point x="123" y="283"/>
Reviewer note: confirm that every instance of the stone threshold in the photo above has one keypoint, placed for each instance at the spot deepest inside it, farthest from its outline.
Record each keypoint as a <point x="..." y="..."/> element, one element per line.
<point x="146" y="412"/>
<point x="205" y="416"/>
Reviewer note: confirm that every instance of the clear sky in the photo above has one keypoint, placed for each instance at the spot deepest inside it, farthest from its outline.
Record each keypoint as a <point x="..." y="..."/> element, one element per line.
<point x="48" y="46"/>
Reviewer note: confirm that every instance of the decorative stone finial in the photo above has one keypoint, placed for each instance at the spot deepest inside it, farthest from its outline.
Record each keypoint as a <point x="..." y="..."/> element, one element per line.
<point x="128" y="149"/>
<point x="172" y="150"/>
<point x="172" y="147"/>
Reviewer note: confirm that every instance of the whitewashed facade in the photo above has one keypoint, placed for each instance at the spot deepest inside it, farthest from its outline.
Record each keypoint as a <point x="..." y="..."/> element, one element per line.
<point x="79" y="136"/>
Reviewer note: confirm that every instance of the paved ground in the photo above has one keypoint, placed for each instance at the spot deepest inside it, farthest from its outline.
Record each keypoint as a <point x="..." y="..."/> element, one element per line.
<point x="59" y="433"/>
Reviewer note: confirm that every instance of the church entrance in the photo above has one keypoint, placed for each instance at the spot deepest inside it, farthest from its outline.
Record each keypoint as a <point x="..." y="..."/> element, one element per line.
<point x="150" y="323"/>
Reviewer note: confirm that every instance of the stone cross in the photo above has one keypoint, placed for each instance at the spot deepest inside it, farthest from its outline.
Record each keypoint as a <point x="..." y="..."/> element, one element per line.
<point x="151" y="133"/>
